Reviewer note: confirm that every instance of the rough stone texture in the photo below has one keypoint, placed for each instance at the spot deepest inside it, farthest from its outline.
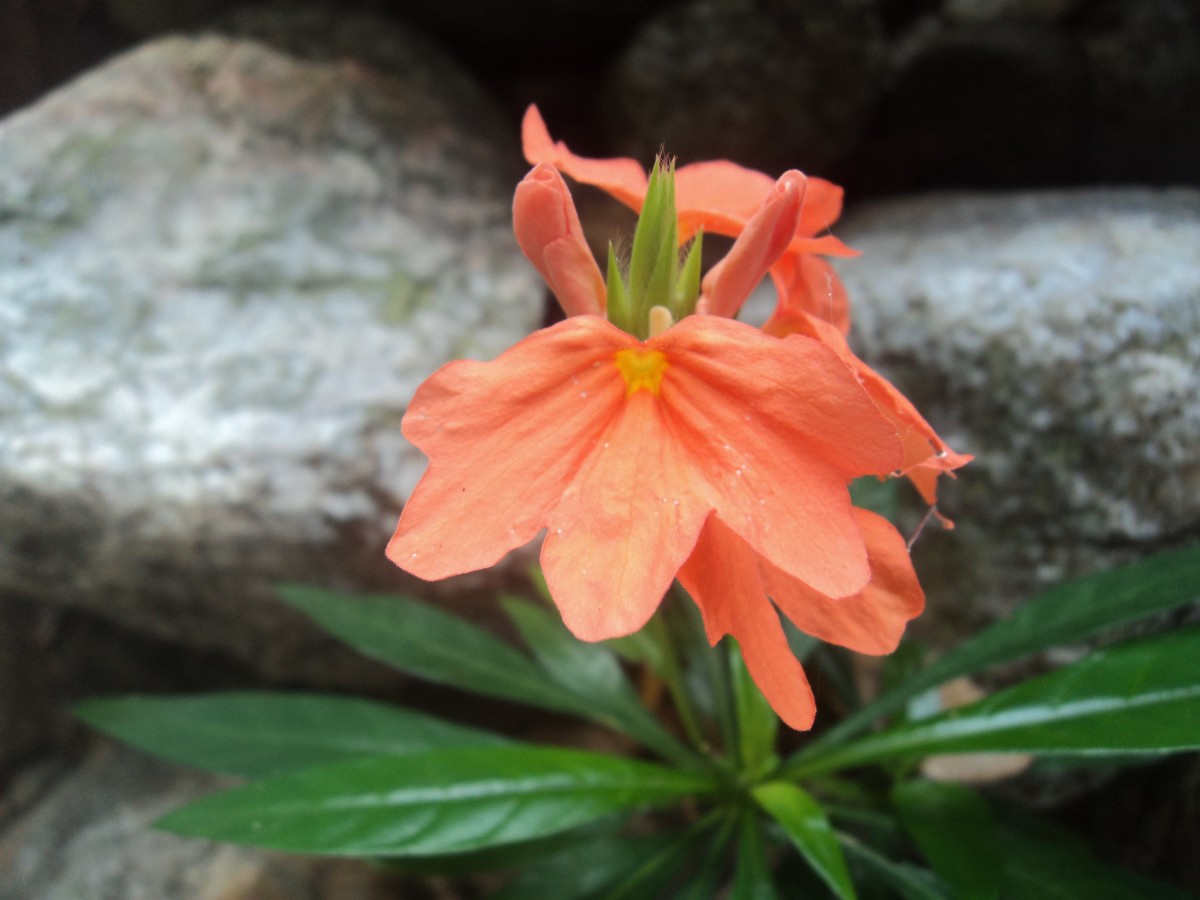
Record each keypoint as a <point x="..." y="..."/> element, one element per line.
<point x="769" y="83"/>
<point x="1057" y="337"/>
<point x="1008" y="10"/>
<point x="996" y="104"/>
<point x="86" y="832"/>
<point x="225" y="269"/>
<point x="1145" y="112"/>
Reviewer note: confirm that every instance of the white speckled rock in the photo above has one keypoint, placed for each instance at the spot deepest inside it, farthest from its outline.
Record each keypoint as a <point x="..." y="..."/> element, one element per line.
<point x="87" y="832"/>
<point x="223" y="271"/>
<point x="1057" y="337"/>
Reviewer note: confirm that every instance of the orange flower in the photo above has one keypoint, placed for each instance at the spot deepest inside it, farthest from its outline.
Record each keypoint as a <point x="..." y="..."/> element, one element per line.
<point x="707" y="450"/>
<point x="721" y="197"/>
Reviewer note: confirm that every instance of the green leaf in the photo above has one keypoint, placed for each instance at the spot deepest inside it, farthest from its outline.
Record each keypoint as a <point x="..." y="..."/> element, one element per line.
<point x="706" y="873"/>
<point x="911" y="882"/>
<point x="1138" y="697"/>
<point x="448" y="801"/>
<point x="758" y="726"/>
<point x="955" y="831"/>
<point x="881" y="496"/>
<point x="426" y="642"/>
<point x="259" y="733"/>
<point x="640" y="866"/>
<point x="752" y="875"/>
<point x="592" y="674"/>
<point x="1037" y="865"/>
<point x="805" y="823"/>
<point x="514" y="857"/>
<point x="1067" y="612"/>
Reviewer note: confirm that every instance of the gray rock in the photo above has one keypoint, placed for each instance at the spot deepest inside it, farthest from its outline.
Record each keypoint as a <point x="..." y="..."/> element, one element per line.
<point x="1145" y="110"/>
<point x="225" y="269"/>
<point x="1008" y="10"/>
<point x="979" y="104"/>
<point x="85" y="832"/>
<point x="773" y="84"/>
<point x="1057" y="337"/>
<point x="147" y="17"/>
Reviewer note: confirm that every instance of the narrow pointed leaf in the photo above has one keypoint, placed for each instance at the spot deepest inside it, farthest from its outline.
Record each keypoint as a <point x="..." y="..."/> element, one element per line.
<point x="1067" y="612"/>
<point x="757" y="724"/>
<point x="955" y="831"/>
<point x="706" y="872"/>
<point x="909" y="881"/>
<point x="752" y="874"/>
<point x="1138" y="697"/>
<point x="426" y="642"/>
<point x="592" y="673"/>
<point x="658" y="869"/>
<point x="805" y="824"/>
<point x="589" y="870"/>
<point x="1036" y="865"/>
<point x="261" y="733"/>
<point x="449" y="801"/>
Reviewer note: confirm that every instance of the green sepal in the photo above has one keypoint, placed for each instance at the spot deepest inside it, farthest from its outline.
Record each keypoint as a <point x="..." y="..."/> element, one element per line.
<point x="654" y="258"/>
<point x="620" y="310"/>
<point x="687" y="285"/>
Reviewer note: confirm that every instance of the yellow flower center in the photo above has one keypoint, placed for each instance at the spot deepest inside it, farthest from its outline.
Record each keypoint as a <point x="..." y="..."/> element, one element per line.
<point x="641" y="369"/>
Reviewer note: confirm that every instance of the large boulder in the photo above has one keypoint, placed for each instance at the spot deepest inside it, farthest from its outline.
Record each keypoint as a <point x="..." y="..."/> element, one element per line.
<point x="225" y="268"/>
<point x="1057" y="337"/>
<point x="774" y="84"/>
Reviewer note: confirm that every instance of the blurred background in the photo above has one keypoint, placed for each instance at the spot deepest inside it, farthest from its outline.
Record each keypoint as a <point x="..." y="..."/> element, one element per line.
<point x="235" y="236"/>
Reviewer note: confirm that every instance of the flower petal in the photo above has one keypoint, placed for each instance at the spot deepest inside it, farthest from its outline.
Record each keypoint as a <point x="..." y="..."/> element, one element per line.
<point x="772" y="432"/>
<point x="822" y="207"/>
<point x="926" y="455"/>
<point x="718" y="196"/>
<point x="722" y="577"/>
<point x="623" y="178"/>
<point x="624" y="526"/>
<point x="810" y="285"/>
<point x="765" y="237"/>
<point x="504" y="439"/>
<point x="548" y="230"/>
<point x="871" y="621"/>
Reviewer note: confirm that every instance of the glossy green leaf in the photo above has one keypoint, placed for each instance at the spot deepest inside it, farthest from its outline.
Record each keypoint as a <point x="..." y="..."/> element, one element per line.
<point x="804" y="821"/>
<point x="752" y="873"/>
<point x="260" y="733"/>
<point x="518" y="856"/>
<point x="1067" y="612"/>
<point x="447" y="801"/>
<point x="592" y="674"/>
<point x="955" y="831"/>
<point x="426" y="642"/>
<point x="909" y="881"/>
<point x="1036" y="864"/>
<point x="1138" y="697"/>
